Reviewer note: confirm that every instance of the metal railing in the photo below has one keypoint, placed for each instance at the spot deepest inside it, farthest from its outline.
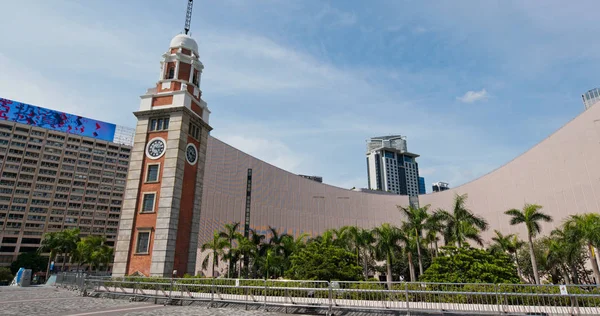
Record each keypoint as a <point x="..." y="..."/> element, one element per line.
<point x="493" y="299"/>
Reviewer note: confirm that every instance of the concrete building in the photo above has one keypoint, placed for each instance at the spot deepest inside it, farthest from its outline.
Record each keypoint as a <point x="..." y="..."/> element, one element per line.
<point x="560" y="173"/>
<point x="314" y="178"/>
<point x="422" y="189"/>
<point x="440" y="186"/>
<point x="390" y="167"/>
<point x="591" y="97"/>
<point x="58" y="171"/>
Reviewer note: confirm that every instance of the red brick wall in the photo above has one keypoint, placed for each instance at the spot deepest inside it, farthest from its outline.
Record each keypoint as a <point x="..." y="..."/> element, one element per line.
<point x="142" y="262"/>
<point x="166" y="100"/>
<point x="184" y="71"/>
<point x="196" y="108"/>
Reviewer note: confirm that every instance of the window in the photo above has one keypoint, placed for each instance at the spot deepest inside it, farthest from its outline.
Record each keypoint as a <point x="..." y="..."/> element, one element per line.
<point x="143" y="242"/>
<point x="152" y="173"/>
<point x="159" y="124"/>
<point x="148" y="202"/>
<point x="195" y="78"/>
<point x="170" y="72"/>
<point x="194" y="131"/>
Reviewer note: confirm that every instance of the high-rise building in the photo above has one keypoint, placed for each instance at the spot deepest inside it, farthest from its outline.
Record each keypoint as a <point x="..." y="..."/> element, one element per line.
<point x="158" y="232"/>
<point x="314" y="178"/>
<point x="440" y="186"/>
<point x="591" y="97"/>
<point x="391" y="167"/>
<point x="58" y="171"/>
<point x="422" y="189"/>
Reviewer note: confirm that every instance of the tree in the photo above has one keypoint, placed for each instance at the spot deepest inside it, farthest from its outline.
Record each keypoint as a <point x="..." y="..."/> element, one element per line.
<point x="531" y="217"/>
<point x="561" y="253"/>
<point x="216" y="246"/>
<point x="324" y="261"/>
<point x="29" y="260"/>
<point x="416" y="222"/>
<point x="461" y="225"/>
<point x="87" y="251"/>
<point x="5" y="276"/>
<point x="360" y="241"/>
<point x="103" y="256"/>
<point x="67" y="243"/>
<point x="586" y="227"/>
<point x="289" y="246"/>
<point x="509" y="244"/>
<point x="387" y="242"/>
<point x="230" y="233"/>
<point x="410" y="244"/>
<point x="257" y="251"/>
<point x="470" y="265"/>
<point x="50" y="244"/>
<point x="435" y="226"/>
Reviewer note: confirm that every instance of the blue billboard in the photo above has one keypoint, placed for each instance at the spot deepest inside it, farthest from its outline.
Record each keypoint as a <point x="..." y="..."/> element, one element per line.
<point x="55" y="120"/>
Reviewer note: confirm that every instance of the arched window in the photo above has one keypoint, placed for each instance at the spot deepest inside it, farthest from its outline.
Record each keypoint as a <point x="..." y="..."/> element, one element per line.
<point x="170" y="72"/>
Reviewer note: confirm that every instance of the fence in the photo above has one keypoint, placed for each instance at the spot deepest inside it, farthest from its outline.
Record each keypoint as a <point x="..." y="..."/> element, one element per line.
<point x="334" y="296"/>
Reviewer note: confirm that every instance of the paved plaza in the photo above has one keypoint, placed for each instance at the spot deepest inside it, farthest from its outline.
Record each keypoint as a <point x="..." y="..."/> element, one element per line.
<point x="54" y="302"/>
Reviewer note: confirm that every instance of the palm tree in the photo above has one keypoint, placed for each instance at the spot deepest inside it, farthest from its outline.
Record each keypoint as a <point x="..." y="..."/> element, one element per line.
<point x="435" y="226"/>
<point x="586" y="227"/>
<point x="360" y="241"/>
<point x="104" y="255"/>
<point x="531" y="217"/>
<point x="50" y="242"/>
<point x="416" y="221"/>
<point x="410" y="242"/>
<point x="216" y="246"/>
<point x="461" y="224"/>
<point x="230" y="233"/>
<point x="289" y="246"/>
<point x="276" y="239"/>
<point x="561" y="255"/>
<point x="67" y="243"/>
<point x="87" y="250"/>
<point x="387" y="243"/>
<point x="258" y="249"/>
<point x="509" y="244"/>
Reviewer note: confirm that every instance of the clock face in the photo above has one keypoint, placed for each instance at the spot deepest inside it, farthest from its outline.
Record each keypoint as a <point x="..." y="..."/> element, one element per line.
<point x="156" y="148"/>
<point x="191" y="154"/>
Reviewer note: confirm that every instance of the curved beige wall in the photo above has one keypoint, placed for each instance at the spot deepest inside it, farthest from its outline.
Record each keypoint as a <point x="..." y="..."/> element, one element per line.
<point x="282" y="199"/>
<point x="561" y="173"/>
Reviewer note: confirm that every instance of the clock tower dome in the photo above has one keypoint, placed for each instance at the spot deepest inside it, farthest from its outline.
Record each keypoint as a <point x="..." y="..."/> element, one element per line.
<point x="158" y="232"/>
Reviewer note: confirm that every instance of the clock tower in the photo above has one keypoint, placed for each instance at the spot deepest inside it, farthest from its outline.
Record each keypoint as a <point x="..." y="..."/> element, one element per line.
<point x="158" y="232"/>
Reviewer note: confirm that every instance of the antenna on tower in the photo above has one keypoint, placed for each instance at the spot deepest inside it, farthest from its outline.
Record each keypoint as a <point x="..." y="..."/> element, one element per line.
<point x="188" y="16"/>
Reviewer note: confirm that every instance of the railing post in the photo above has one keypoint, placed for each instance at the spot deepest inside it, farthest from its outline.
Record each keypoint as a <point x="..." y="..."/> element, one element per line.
<point x="330" y="298"/>
<point x="170" y="298"/>
<point x="135" y="286"/>
<point x="406" y="297"/>
<point x="212" y="292"/>
<point x="265" y="294"/>
<point x="156" y="294"/>
<point x="496" y="289"/>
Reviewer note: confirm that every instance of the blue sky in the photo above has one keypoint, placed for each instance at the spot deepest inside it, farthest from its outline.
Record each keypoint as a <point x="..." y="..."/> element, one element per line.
<point x="303" y="84"/>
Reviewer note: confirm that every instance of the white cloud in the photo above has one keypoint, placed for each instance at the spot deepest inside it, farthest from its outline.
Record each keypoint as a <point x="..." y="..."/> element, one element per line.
<point x="319" y="133"/>
<point x="272" y="151"/>
<point x="473" y="96"/>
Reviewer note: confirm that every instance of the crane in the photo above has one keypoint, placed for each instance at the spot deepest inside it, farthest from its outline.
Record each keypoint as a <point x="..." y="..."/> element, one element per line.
<point x="188" y="16"/>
